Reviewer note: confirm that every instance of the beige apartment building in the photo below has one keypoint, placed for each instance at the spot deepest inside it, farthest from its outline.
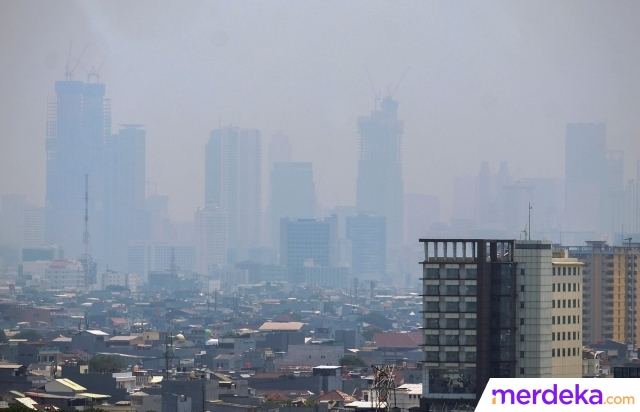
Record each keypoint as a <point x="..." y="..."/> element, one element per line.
<point x="610" y="292"/>
<point x="566" y="321"/>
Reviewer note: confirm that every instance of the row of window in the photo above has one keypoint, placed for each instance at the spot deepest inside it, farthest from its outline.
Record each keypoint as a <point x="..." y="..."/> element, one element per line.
<point x="434" y="273"/>
<point x="451" y="323"/>
<point x="450" y="340"/>
<point x="557" y="336"/>
<point x="565" y="288"/>
<point x="434" y="356"/>
<point x="451" y="290"/>
<point x="451" y="307"/>
<point x="566" y="303"/>
<point x="564" y="319"/>
<point x="565" y="352"/>
<point x="565" y="271"/>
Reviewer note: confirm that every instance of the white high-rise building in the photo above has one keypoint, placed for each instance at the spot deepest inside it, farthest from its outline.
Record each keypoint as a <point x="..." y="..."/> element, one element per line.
<point x="233" y="159"/>
<point x="211" y="238"/>
<point x="65" y="274"/>
<point x="126" y="280"/>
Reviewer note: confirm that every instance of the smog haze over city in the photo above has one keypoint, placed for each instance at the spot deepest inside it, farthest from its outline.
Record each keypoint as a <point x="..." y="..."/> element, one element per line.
<point x="484" y="81"/>
<point x="341" y="206"/>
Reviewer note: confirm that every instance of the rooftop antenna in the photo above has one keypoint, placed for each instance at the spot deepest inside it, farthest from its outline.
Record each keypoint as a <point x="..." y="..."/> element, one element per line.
<point x="168" y="352"/>
<point x="530" y="220"/>
<point x="376" y="94"/>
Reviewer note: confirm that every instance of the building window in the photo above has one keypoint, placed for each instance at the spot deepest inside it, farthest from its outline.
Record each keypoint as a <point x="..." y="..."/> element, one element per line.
<point x="553" y="303"/>
<point x="521" y="288"/>
<point x="432" y="356"/>
<point x="432" y="273"/>
<point x="453" y="306"/>
<point x="433" y="290"/>
<point x="521" y="305"/>
<point x="553" y="353"/>
<point x="564" y="287"/>
<point x="472" y="274"/>
<point x="451" y="356"/>
<point x="452" y="323"/>
<point x="564" y="320"/>
<point x="574" y="287"/>
<point x="554" y="271"/>
<point x="564" y="303"/>
<point x="574" y="303"/>
<point x="522" y="321"/>
<point x="432" y="340"/>
<point x="553" y="287"/>
<point x="453" y="273"/>
<point x="564" y="271"/>
<point x="521" y="338"/>
<point x="574" y="335"/>
<point x="553" y="320"/>
<point x="563" y="352"/>
<point x="432" y="323"/>
<point x="521" y="371"/>
<point x="522" y="354"/>
<point x="553" y="336"/>
<point x="452" y="290"/>
<point x="563" y="336"/>
<point x="574" y="319"/>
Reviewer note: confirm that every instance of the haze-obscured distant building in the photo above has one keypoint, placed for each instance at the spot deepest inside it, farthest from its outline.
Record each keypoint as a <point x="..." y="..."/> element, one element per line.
<point x="233" y="159"/>
<point x="211" y="238"/>
<point x="380" y="186"/>
<point x="78" y="124"/>
<point x="308" y="240"/>
<point x="368" y="237"/>
<point x="292" y="195"/>
<point x="124" y="199"/>
<point x="65" y="274"/>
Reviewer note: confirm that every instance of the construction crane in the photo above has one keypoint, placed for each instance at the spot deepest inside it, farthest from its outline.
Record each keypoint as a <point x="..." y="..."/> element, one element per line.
<point x="68" y="70"/>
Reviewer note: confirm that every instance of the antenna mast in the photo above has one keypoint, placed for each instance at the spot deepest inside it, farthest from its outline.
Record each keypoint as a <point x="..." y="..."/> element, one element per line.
<point x="87" y="261"/>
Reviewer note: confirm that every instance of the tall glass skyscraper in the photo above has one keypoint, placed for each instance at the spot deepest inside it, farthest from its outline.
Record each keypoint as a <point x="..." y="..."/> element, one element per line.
<point x="380" y="185"/>
<point x="78" y="123"/>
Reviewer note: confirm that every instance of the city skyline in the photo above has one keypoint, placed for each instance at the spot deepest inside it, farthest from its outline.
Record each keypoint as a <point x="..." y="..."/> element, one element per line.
<point x="322" y="124"/>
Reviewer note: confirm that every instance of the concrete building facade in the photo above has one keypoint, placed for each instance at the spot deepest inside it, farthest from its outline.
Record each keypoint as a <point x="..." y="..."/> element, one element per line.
<point x="566" y="318"/>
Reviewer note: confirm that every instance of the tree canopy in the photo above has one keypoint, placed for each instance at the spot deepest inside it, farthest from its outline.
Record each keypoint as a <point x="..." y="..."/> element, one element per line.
<point x="29" y="334"/>
<point x="101" y="363"/>
<point x="351" y="360"/>
<point x="3" y="336"/>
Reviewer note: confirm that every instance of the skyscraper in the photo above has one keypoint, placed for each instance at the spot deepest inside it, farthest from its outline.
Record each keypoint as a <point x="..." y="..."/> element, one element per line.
<point x="306" y="240"/>
<point x="233" y="182"/>
<point x="368" y="236"/>
<point x="211" y="238"/>
<point x="585" y="176"/>
<point x="380" y="186"/>
<point x="292" y="195"/>
<point x="78" y="122"/>
<point x="125" y="216"/>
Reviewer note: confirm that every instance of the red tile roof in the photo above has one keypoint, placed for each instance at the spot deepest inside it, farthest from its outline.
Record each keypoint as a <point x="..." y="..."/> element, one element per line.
<point x="397" y="339"/>
<point x="336" y="395"/>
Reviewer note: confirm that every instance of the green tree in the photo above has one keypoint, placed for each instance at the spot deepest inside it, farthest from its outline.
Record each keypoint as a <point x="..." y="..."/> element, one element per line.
<point x="3" y="336"/>
<point x="102" y="363"/>
<point x="351" y="360"/>
<point x="17" y="407"/>
<point x="29" y="334"/>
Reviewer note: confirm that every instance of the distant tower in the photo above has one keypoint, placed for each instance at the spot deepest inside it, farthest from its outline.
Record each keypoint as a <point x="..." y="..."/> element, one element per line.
<point x="78" y="123"/>
<point x="380" y="185"/>
<point x="233" y="180"/>
<point x="87" y="260"/>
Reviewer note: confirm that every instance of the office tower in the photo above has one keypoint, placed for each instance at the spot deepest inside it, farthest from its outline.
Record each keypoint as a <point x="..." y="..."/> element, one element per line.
<point x="517" y="198"/>
<point x="292" y="195"/>
<point x="211" y="238"/>
<point x="314" y="241"/>
<point x="279" y="150"/>
<point x="233" y="182"/>
<point x="367" y="234"/>
<point x="566" y="316"/>
<point x="421" y="212"/>
<point x="609" y="292"/>
<point x="78" y="122"/>
<point x="34" y="226"/>
<point x="124" y="197"/>
<point x="488" y="197"/>
<point x="379" y="185"/>
<point x="12" y="218"/>
<point x="585" y="174"/>
<point x="487" y="314"/>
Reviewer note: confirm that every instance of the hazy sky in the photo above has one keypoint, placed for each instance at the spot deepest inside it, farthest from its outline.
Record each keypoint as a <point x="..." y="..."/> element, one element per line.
<point x="485" y="81"/>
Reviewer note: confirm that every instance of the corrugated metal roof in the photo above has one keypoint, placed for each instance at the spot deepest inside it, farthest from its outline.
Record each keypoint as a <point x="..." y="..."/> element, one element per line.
<point x="71" y="384"/>
<point x="93" y="395"/>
